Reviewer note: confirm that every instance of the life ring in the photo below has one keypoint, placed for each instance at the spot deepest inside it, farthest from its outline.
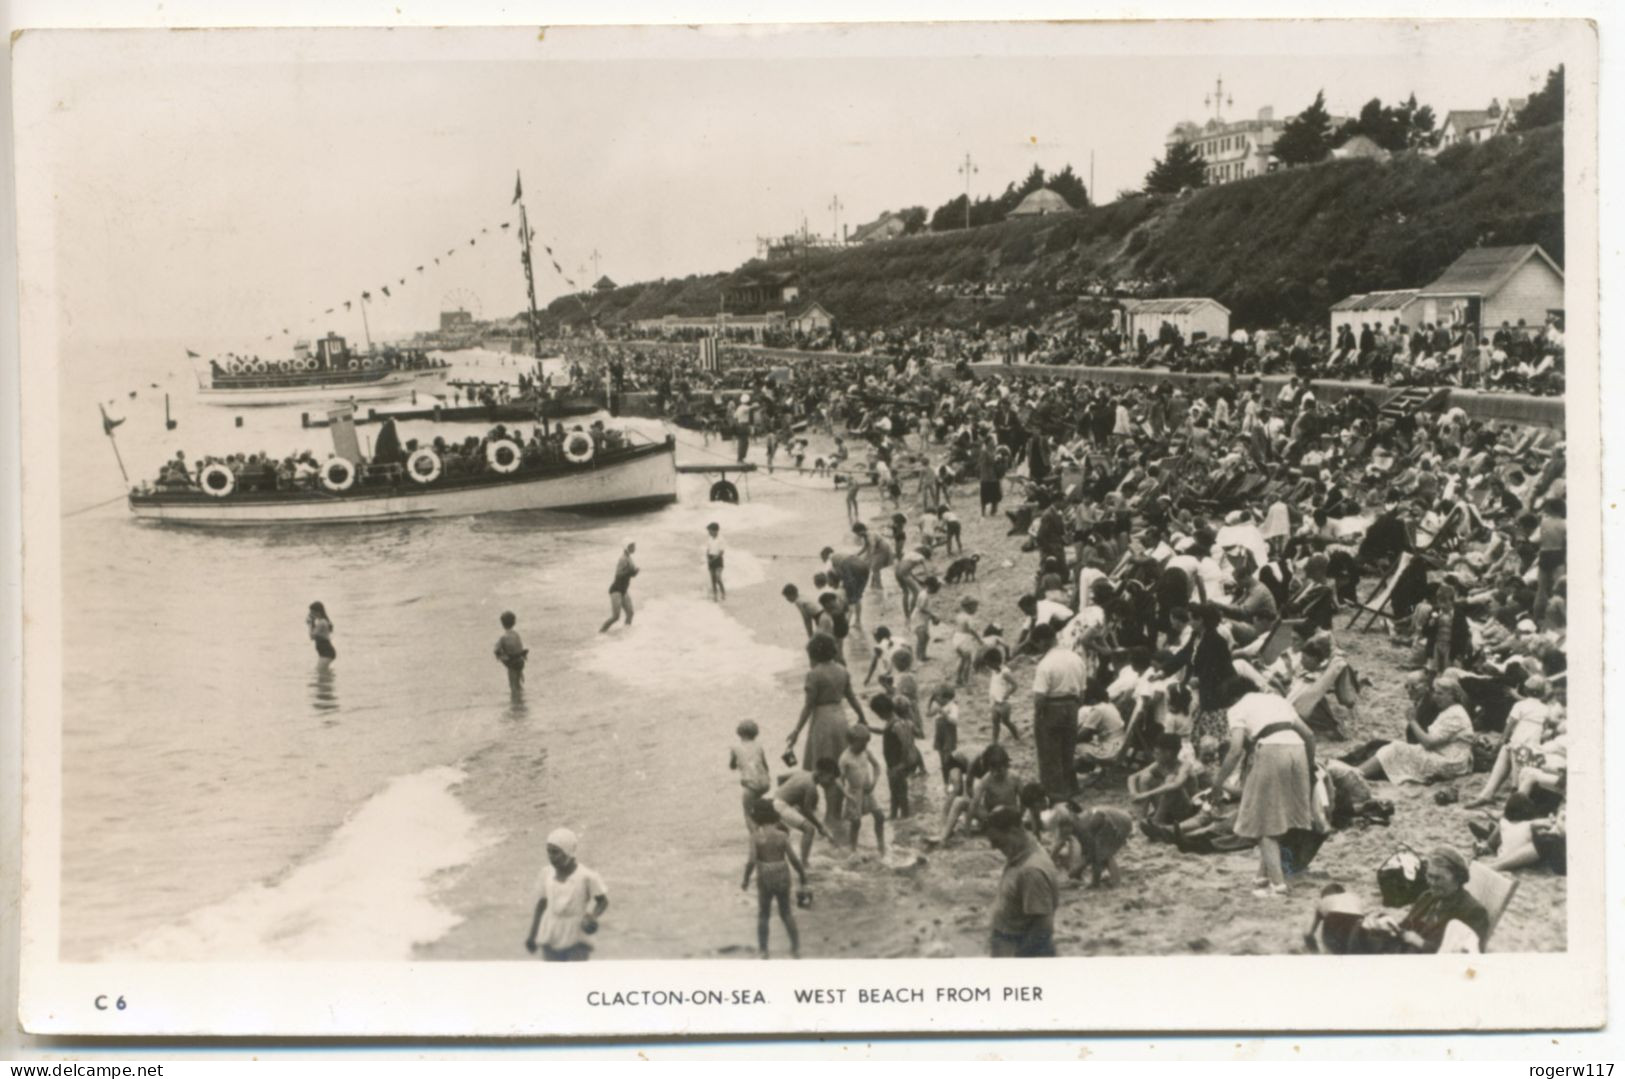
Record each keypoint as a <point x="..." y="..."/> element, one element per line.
<point x="217" y="481"/>
<point x="338" y="475"/>
<point x="234" y="366"/>
<point x="503" y="455"/>
<point x="578" y="448"/>
<point x="723" y="491"/>
<point x="310" y="363"/>
<point x="424" y="466"/>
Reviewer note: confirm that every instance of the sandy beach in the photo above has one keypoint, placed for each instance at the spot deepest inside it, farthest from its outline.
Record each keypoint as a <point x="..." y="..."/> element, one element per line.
<point x="935" y="902"/>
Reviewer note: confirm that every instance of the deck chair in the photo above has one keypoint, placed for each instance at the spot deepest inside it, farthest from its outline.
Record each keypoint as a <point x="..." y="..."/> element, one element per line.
<point x="1376" y="606"/>
<point x="1493" y="890"/>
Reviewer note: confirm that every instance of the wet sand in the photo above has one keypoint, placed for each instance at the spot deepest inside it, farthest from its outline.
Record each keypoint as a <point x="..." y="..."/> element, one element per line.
<point x="926" y="902"/>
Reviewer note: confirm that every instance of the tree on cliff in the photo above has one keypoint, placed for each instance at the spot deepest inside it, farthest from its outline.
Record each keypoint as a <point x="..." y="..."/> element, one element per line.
<point x="1180" y="168"/>
<point x="1067" y="185"/>
<point x="1545" y="106"/>
<point x="1307" y="137"/>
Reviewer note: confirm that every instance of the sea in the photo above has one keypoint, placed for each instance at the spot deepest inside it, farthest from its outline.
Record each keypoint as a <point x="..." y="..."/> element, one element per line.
<point x="223" y="799"/>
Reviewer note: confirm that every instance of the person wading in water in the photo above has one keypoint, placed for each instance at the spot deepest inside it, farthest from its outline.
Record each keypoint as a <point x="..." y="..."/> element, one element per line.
<point x="620" y="598"/>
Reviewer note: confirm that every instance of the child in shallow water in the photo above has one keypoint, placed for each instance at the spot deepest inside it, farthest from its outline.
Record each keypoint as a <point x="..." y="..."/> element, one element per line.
<point x="771" y="859"/>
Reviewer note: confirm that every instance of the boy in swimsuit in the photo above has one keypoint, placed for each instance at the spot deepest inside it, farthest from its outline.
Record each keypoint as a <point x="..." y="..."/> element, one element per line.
<point x="771" y="860"/>
<point x="511" y="652"/>
<point x="860" y="771"/>
<point x="750" y="761"/>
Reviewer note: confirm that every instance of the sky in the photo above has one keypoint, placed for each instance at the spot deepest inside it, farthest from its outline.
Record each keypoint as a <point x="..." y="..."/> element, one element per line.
<point x="233" y="184"/>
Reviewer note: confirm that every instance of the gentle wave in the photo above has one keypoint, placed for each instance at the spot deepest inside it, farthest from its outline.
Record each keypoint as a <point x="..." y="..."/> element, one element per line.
<point x="368" y="894"/>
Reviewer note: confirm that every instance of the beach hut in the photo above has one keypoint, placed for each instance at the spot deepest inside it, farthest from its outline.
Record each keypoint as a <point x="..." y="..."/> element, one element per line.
<point x="1377" y="309"/>
<point x="1191" y="316"/>
<point x="812" y="319"/>
<point x="1491" y="285"/>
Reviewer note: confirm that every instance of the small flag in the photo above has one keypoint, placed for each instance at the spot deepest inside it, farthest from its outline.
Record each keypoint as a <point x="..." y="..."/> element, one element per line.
<point x="329" y="311"/>
<point x="518" y="189"/>
<point x="366" y="295"/>
<point x="451" y="250"/>
<point x="420" y="269"/>
<point x="471" y="241"/>
<point x="437" y="261"/>
<point x="549" y="250"/>
<point x="193" y="355"/>
<point x="504" y="224"/>
<point x="108" y="423"/>
<point x="386" y="290"/>
<point x="346" y="305"/>
<point x="402" y="281"/>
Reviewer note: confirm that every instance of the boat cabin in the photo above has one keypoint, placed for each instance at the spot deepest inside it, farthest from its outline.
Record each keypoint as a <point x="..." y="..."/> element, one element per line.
<point x="333" y="353"/>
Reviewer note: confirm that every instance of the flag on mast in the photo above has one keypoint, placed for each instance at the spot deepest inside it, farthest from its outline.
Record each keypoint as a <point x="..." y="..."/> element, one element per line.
<point x="518" y="190"/>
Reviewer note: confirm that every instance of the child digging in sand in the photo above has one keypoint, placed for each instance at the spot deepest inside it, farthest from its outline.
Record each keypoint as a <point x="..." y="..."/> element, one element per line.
<point x="772" y="859"/>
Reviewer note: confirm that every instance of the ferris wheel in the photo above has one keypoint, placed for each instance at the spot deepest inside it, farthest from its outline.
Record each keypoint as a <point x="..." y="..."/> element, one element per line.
<point x="461" y="299"/>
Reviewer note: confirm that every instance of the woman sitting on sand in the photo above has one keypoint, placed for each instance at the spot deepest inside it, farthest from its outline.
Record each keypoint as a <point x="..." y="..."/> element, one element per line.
<point x="1443" y="751"/>
<point x="1445" y="918"/>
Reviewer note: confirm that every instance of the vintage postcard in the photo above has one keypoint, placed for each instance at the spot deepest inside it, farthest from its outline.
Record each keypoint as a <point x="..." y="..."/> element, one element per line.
<point x="1021" y="527"/>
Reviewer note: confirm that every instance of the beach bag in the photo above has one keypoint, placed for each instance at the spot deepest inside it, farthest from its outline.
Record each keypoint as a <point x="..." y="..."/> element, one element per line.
<point x="1400" y="879"/>
<point x="1299" y="847"/>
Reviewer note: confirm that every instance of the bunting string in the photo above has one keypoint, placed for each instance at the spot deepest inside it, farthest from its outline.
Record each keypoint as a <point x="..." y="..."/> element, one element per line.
<point x="388" y="292"/>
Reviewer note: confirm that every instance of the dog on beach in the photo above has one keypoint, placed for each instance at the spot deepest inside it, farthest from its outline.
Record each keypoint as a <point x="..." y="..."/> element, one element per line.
<point x="962" y="570"/>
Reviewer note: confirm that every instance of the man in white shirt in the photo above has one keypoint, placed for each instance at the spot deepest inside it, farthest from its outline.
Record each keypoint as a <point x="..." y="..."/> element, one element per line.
<point x="1058" y="684"/>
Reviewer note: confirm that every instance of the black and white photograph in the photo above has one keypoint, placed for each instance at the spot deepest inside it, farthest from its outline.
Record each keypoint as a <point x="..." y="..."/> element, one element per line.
<point x="668" y="499"/>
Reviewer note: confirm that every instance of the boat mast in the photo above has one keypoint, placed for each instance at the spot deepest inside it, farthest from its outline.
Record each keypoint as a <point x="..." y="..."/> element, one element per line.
<point x="530" y="275"/>
<point x="366" y="331"/>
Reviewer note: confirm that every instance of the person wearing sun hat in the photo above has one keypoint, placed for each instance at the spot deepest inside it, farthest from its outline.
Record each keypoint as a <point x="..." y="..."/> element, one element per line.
<point x="572" y="900"/>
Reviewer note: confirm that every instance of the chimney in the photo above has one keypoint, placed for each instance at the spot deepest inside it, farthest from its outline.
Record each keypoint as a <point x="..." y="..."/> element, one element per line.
<point x="1267" y="113"/>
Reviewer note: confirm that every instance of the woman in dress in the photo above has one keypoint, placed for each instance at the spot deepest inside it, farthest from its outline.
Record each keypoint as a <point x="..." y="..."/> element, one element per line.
<point x="1444" y="750"/>
<point x="1212" y="665"/>
<point x="321" y="631"/>
<point x="828" y="689"/>
<point x="1278" y="750"/>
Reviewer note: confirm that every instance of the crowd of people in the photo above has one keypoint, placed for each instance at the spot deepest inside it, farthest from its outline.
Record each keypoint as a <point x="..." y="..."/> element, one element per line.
<point x="467" y="458"/>
<point x="1198" y="559"/>
<point x="1510" y="357"/>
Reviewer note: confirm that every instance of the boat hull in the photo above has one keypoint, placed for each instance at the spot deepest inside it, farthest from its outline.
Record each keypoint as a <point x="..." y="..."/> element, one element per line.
<point x="641" y="478"/>
<point x="390" y="387"/>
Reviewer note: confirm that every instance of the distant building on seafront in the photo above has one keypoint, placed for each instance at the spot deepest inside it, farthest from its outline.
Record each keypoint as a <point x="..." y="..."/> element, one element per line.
<point x="1360" y="146"/>
<point x="1476" y="125"/>
<point x="888" y="226"/>
<point x="1192" y="316"/>
<point x="1231" y="149"/>
<point x="1040" y="202"/>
